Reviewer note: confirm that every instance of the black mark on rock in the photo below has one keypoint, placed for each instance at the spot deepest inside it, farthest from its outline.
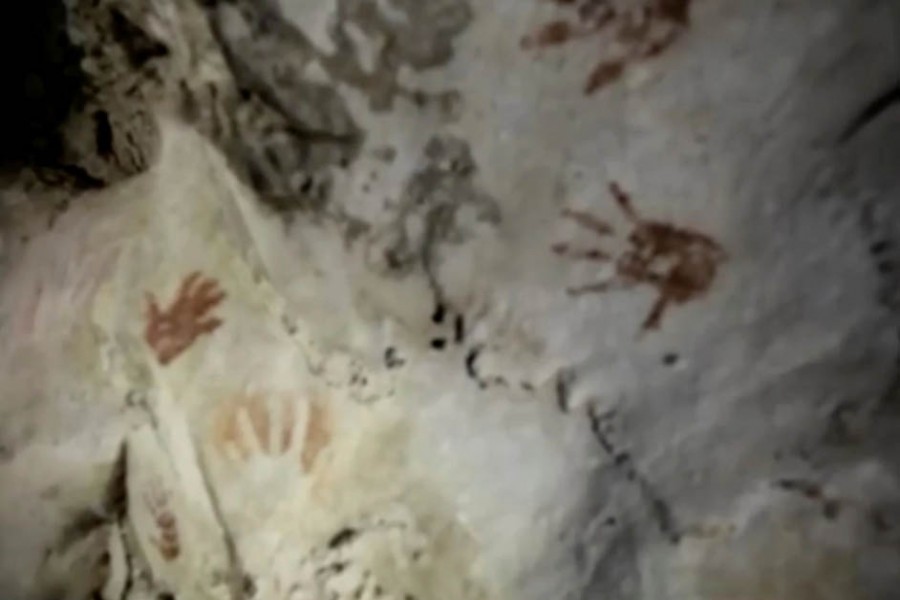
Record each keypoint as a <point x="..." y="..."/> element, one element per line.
<point x="332" y="569"/>
<point x="342" y="537"/>
<point x="391" y="360"/>
<point x="459" y="329"/>
<point x="659" y="508"/>
<point x="115" y="501"/>
<point x="471" y="359"/>
<point x="437" y="317"/>
<point x="662" y="512"/>
<point x="564" y="381"/>
<point x="471" y="363"/>
<point x="874" y="109"/>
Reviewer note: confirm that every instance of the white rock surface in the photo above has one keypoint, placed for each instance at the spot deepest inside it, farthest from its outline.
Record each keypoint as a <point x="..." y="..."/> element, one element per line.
<point x="404" y="395"/>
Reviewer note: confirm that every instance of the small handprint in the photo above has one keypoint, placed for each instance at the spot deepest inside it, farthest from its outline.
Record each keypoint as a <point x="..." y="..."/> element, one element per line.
<point x="680" y="263"/>
<point x="172" y="331"/>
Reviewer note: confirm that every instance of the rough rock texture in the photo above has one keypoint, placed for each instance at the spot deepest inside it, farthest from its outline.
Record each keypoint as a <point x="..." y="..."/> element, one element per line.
<point x="444" y="299"/>
<point x="84" y="87"/>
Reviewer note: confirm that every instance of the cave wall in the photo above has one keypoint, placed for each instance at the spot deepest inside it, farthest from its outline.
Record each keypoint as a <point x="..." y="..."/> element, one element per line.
<point x="416" y="299"/>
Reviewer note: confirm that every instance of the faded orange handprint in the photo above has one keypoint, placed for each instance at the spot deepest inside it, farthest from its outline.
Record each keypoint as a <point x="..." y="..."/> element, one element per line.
<point x="272" y="427"/>
<point x="265" y="446"/>
<point x="171" y="331"/>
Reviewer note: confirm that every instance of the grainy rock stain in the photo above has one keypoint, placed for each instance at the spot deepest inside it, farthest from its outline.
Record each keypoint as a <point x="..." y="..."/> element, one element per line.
<point x="285" y="128"/>
<point x="441" y="205"/>
<point x="401" y="34"/>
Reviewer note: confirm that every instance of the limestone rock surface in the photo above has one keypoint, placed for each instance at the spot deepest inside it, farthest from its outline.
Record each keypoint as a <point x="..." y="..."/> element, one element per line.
<point x="453" y="300"/>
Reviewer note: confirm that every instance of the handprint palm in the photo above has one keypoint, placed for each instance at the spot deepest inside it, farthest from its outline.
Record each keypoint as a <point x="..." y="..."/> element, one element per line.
<point x="679" y="262"/>
<point x="171" y="331"/>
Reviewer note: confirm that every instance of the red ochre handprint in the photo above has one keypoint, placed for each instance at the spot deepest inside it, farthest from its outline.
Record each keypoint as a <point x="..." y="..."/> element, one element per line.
<point x="171" y="331"/>
<point x="679" y="262"/>
<point x="626" y="31"/>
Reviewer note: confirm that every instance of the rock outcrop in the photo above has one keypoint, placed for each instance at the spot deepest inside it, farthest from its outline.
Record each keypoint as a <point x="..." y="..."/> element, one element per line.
<point x="440" y="299"/>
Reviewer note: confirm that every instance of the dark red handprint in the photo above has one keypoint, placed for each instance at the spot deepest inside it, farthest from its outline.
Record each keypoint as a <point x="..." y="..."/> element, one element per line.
<point x="679" y="262"/>
<point x="171" y="331"/>
<point x="626" y="32"/>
